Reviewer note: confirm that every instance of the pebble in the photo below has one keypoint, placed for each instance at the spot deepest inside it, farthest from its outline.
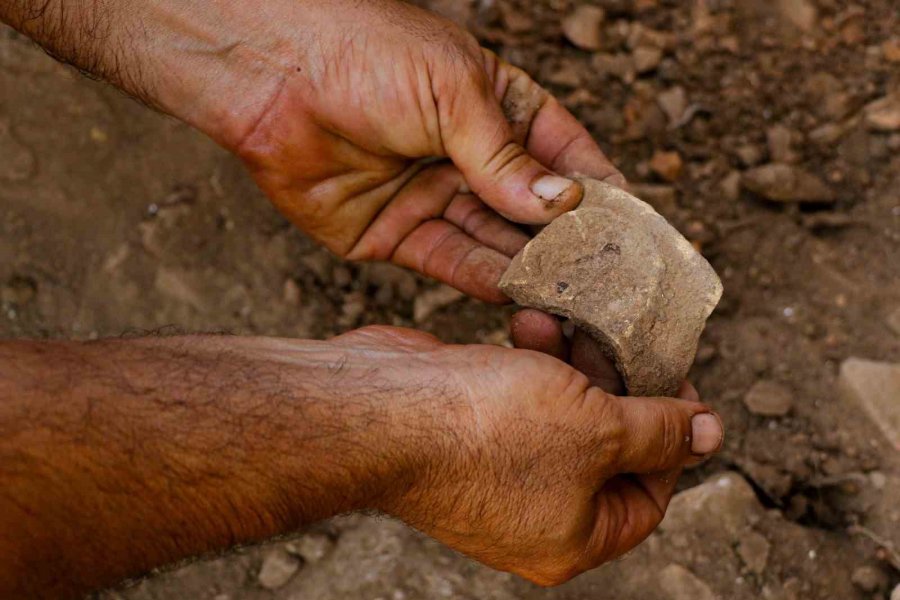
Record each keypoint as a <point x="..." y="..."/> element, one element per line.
<point x="291" y="292"/>
<point x="803" y="14"/>
<point x="874" y="387"/>
<point x="895" y="595"/>
<point x="730" y="186"/>
<point x="434" y="299"/>
<point x="341" y="276"/>
<point x="646" y="58"/>
<point x="311" y="547"/>
<point x="582" y="27"/>
<point x="754" y="551"/>
<point x="768" y="399"/>
<point x="893" y="321"/>
<point x="786" y="183"/>
<point x="277" y="568"/>
<point x="870" y="579"/>
<point x="668" y="165"/>
<point x="883" y="114"/>
<point x="179" y="286"/>
<point x="778" y="138"/>
<point x="677" y="583"/>
<point x="749" y="155"/>
<point x="674" y="103"/>
<point x="891" y="50"/>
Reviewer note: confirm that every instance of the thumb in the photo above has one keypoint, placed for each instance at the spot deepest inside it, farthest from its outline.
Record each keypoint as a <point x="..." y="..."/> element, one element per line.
<point x="662" y="434"/>
<point x="480" y="141"/>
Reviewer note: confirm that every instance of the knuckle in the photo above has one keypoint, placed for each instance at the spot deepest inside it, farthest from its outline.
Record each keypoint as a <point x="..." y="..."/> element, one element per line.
<point x="673" y="437"/>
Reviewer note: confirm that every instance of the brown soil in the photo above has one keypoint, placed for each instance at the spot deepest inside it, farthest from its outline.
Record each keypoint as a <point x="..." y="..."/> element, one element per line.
<point x="115" y="220"/>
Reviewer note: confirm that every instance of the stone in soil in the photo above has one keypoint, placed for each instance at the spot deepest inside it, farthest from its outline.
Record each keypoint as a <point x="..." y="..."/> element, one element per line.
<point x="623" y="274"/>
<point x="754" y="551"/>
<point x="582" y="27"/>
<point x="893" y="321"/>
<point x="786" y="183"/>
<point x="433" y="300"/>
<point x="674" y="103"/>
<point x="677" y="583"/>
<point x="311" y="547"/>
<point x="883" y="114"/>
<point x="870" y="579"/>
<point x="668" y="165"/>
<point x="277" y="568"/>
<point x="874" y="387"/>
<point x="768" y="399"/>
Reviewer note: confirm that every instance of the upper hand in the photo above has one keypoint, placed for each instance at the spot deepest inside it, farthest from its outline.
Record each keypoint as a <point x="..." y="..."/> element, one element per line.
<point x="369" y="94"/>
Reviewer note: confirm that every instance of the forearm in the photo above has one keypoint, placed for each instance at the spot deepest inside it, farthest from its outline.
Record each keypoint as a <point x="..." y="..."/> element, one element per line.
<point x="142" y="452"/>
<point x="211" y="63"/>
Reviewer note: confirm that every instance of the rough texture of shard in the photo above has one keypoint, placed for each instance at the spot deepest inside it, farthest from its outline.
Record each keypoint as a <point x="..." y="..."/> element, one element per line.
<point x="623" y="274"/>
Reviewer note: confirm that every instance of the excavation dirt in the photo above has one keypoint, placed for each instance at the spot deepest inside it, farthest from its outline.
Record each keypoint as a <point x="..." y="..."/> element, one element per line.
<point x="114" y="220"/>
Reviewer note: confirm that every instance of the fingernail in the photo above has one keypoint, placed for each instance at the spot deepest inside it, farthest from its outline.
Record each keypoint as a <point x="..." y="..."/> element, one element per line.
<point x="550" y="187"/>
<point x="707" y="433"/>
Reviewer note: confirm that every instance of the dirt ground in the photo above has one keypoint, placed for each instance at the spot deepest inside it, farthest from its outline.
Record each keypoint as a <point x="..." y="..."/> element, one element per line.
<point x="116" y="220"/>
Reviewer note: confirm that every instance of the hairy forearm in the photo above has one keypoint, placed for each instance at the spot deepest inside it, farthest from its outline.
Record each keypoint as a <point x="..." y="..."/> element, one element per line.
<point x="212" y="63"/>
<point x="142" y="452"/>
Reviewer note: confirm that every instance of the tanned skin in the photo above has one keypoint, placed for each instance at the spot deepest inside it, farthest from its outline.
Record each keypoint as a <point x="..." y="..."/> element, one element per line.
<point x="118" y="456"/>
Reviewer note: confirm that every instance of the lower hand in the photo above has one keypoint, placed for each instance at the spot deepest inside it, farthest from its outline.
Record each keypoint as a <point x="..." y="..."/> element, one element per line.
<point x="537" y="472"/>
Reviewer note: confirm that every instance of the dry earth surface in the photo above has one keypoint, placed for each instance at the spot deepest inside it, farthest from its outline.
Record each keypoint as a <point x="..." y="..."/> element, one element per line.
<point x="768" y="132"/>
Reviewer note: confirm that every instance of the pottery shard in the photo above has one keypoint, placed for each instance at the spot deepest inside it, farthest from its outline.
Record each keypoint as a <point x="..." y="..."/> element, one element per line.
<point x="623" y="274"/>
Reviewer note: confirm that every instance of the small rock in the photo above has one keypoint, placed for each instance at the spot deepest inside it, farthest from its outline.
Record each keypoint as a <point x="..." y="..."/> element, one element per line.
<point x="277" y="569"/>
<point x="620" y="66"/>
<point x="891" y="50"/>
<point x="731" y="186"/>
<point x="749" y="155"/>
<point x="893" y="321"/>
<point x="567" y="75"/>
<point x="312" y="547"/>
<point x="353" y="308"/>
<point x="674" y="103"/>
<point x="582" y="26"/>
<point x="895" y="595"/>
<point x="434" y="299"/>
<point x="874" y="387"/>
<point x="803" y="14"/>
<point x="667" y="165"/>
<point x="768" y="399"/>
<point x="786" y="183"/>
<point x="515" y="20"/>
<point x="727" y="495"/>
<point x="754" y="551"/>
<point x="677" y="583"/>
<point x="341" y="276"/>
<point x="870" y="579"/>
<point x="826" y="134"/>
<point x="646" y="58"/>
<point x="778" y="138"/>
<point x="291" y="293"/>
<point x="883" y="114"/>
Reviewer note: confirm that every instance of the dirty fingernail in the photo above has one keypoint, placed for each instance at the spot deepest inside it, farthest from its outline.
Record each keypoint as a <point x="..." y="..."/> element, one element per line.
<point x="707" y="433"/>
<point x="550" y="187"/>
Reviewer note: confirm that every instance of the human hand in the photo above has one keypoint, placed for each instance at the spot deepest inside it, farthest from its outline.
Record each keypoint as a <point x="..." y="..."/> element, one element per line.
<point x="535" y="471"/>
<point x="369" y="94"/>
